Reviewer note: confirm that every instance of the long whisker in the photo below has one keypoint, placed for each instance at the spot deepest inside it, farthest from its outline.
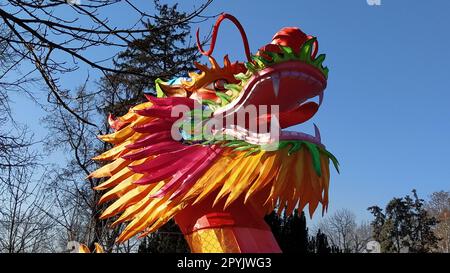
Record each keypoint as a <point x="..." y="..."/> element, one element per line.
<point x="222" y="17"/>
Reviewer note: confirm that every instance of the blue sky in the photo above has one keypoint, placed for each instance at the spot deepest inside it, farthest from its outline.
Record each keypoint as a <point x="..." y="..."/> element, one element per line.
<point x="386" y="113"/>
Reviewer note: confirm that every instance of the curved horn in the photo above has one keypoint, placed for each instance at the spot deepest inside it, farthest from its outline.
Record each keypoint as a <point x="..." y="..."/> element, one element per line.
<point x="222" y="17"/>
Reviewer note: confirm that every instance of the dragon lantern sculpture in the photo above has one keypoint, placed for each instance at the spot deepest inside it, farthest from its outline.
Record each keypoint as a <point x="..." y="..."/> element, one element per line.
<point x="218" y="184"/>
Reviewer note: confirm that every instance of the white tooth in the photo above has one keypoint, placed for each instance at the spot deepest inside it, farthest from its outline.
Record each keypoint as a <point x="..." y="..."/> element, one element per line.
<point x="317" y="133"/>
<point x="276" y="84"/>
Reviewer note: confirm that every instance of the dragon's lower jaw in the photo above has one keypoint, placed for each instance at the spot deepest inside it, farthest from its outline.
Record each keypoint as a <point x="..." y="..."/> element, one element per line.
<point x="240" y="133"/>
<point x="293" y="135"/>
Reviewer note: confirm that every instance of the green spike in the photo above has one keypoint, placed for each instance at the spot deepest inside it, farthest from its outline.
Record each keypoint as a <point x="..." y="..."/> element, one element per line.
<point x="288" y="52"/>
<point x="242" y="148"/>
<point x="241" y="76"/>
<point x="232" y="142"/>
<point x="272" y="56"/>
<point x="252" y="151"/>
<point x="260" y="61"/>
<point x="319" y="60"/>
<point x="314" y="151"/>
<point x="286" y="49"/>
<point x="209" y="102"/>
<point x="208" y="142"/>
<point x="231" y="86"/>
<point x="296" y="146"/>
<point x="244" y="77"/>
<point x="325" y="71"/>
<point x="224" y="98"/>
<point x="251" y="67"/>
<point x="159" y="91"/>
<point x="235" y="145"/>
<point x="218" y="142"/>
<point x="333" y="159"/>
<point x="278" y="58"/>
<point x="282" y="144"/>
<point x="305" y="53"/>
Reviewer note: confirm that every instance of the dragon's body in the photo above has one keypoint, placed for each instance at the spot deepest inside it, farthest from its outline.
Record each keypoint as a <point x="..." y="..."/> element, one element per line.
<point x="218" y="182"/>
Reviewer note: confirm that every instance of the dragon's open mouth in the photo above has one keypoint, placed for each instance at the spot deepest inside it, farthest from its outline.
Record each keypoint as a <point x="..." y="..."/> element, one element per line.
<point x="294" y="87"/>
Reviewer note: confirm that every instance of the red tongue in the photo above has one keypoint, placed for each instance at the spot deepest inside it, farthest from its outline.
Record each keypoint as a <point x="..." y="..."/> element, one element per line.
<point x="298" y="115"/>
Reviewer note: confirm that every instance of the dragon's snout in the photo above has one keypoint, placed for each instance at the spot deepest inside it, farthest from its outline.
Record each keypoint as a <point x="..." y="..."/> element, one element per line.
<point x="291" y="37"/>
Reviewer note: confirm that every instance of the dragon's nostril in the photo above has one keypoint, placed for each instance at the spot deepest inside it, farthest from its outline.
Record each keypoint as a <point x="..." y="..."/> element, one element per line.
<point x="291" y="37"/>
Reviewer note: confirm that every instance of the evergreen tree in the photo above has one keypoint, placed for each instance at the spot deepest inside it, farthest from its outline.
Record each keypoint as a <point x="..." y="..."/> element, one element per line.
<point x="295" y="233"/>
<point x="319" y="244"/>
<point x="165" y="52"/>
<point x="405" y="226"/>
<point x="423" y="238"/>
<point x="291" y="233"/>
<point x="275" y="223"/>
<point x="168" y="239"/>
<point x="378" y="222"/>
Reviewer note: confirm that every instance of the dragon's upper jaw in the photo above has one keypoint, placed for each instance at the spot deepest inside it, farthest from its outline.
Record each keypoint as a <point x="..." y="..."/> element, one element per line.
<point x="289" y="85"/>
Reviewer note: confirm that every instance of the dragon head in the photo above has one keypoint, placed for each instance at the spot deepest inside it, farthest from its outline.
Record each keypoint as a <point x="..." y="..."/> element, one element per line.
<point x="286" y="73"/>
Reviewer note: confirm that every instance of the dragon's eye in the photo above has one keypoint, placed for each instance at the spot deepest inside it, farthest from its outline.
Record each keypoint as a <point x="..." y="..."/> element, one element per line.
<point x="217" y="85"/>
<point x="220" y="84"/>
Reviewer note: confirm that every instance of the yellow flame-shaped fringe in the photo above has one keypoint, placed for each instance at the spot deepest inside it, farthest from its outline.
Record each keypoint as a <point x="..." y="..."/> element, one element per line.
<point x="291" y="180"/>
<point x="84" y="249"/>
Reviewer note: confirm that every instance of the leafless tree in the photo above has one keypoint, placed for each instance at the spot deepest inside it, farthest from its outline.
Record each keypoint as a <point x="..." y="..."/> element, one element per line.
<point x="14" y="138"/>
<point x="41" y="43"/>
<point x="343" y="231"/>
<point x="56" y="36"/>
<point x="361" y="236"/>
<point x="77" y="206"/>
<point x="24" y="225"/>
<point x="439" y="207"/>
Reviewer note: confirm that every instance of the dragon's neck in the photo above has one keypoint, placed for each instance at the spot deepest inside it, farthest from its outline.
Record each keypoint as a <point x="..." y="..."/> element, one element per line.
<point x="237" y="229"/>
